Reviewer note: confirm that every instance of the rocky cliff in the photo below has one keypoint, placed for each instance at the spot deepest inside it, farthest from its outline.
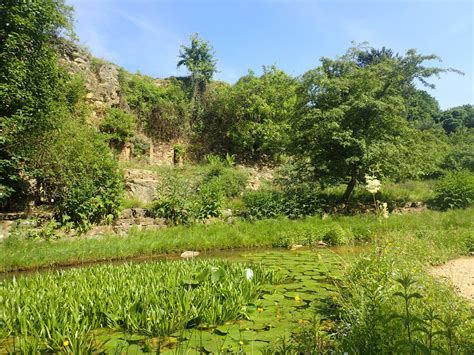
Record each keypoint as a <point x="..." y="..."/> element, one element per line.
<point x="101" y="78"/>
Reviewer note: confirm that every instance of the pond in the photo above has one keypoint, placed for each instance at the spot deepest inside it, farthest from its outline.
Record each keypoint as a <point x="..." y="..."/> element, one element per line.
<point x="303" y="288"/>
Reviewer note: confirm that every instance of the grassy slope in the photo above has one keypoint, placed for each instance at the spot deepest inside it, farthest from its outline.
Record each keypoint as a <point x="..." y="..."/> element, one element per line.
<point x="447" y="235"/>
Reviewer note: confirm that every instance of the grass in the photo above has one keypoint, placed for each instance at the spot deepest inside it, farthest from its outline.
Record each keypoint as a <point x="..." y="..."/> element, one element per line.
<point x="450" y="234"/>
<point x="390" y="304"/>
<point x="394" y="193"/>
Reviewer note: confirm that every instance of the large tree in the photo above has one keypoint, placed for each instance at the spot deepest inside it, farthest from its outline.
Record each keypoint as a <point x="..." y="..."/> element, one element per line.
<point x="30" y="79"/>
<point x="261" y="109"/>
<point x="352" y="116"/>
<point x="200" y="61"/>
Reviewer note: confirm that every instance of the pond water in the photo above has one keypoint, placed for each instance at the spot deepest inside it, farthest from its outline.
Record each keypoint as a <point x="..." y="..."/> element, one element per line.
<point x="306" y="295"/>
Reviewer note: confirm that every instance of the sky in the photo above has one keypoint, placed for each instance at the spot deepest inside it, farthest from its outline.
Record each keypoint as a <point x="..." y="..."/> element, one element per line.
<point x="145" y="35"/>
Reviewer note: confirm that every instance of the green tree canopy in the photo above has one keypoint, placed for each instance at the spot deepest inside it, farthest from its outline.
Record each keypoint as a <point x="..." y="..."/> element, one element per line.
<point x="30" y="79"/>
<point x="457" y="118"/>
<point x="261" y="109"/>
<point x="352" y="117"/>
<point x="198" y="59"/>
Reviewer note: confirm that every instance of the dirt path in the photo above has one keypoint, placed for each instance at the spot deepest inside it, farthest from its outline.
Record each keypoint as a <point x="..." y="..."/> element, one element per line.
<point x="461" y="273"/>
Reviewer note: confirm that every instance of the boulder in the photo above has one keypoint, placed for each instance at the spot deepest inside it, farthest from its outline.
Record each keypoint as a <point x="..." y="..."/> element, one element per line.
<point x="189" y="254"/>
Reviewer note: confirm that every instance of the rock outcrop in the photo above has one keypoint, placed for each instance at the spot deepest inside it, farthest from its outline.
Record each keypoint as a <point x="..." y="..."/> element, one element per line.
<point x="101" y="78"/>
<point x="141" y="184"/>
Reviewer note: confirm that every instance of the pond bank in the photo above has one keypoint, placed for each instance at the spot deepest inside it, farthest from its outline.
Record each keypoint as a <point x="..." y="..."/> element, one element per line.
<point x="18" y="254"/>
<point x="460" y="272"/>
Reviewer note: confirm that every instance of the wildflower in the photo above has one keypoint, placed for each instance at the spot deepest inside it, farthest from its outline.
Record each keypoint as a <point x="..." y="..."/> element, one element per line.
<point x="298" y="298"/>
<point x="65" y="343"/>
<point x="241" y="342"/>
<point x="249" y="274"/>
<point x="384" y="209"/>
<point x="372" y="184"/>
<point x="260" y="309"/>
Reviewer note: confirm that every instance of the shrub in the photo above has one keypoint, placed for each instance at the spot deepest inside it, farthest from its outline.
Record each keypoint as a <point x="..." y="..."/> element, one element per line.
<point x="302" y="201"/>
<point x="80" y="175"/>
<point x="118" y="125"/>
<point x="336" y="236"/>
<point x="263" y="204"/>
<point x="455" y="190"/>
<point x="209" y="201"/>
<point x="173" y="202"/>
<point x="302" y="195"/>
<point x="162" y="108"/>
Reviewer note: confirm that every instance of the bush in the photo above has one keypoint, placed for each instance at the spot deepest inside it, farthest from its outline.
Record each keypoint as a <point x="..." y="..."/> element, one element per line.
<point x="263" y="204"/>
<point x="118" y="125"/>
<point x="302" y="201"/>
<point x="83" y="178"/>
<point x="455" y="190"/>
<point x="336" y="236"/>
<point x="173" y="202"/>
<point x="231" y="180"/>
<point x="162" y="108"/>
<point x="209" y="201"/>
<point x="302" y="196"/>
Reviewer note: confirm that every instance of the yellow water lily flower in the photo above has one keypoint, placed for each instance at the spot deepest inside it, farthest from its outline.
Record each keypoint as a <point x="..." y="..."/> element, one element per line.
<point x="65" y="343"/>
<point x="298" y="298"/>
<point x="260" y="309"/>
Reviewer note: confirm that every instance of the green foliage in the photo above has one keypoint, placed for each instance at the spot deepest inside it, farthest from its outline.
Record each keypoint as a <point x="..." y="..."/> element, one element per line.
<point x="302" y="195"/>
<point x="30" y="81"/>
<point x="118" y="126"/>
<point x="336" y="236"/>
<point x="461" y="155"/>
<point x="172" y="201"/>
<point x="198" y="59"/>
<point x="261" y="109"/>
<point x="390" y="305"/>
<point x="210" y="200"/>
<point x="161" y="108"/>
<point x="231" y="180"/>
<point x="159" y="299"/>
<point x="82" y="177"/>
<point x="422" y="109"/>
<point x="455" y="190"/>
<point x="353" y="120"/>
<point x="262" y="204"/>
<point x="458" y="118"/>
<point x="179" y="152"/>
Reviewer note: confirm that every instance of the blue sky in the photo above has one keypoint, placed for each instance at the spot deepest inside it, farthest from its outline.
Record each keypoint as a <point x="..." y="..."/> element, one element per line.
<point x="145" y="35"/>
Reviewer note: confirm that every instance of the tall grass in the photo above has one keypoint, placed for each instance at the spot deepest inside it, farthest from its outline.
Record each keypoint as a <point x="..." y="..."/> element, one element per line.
<point x="450" y="234"/>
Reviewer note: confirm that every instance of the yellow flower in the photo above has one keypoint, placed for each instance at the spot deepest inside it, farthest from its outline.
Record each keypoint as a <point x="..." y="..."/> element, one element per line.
<point x="298" y="298"/>
<point x="260" y="309"/>
<point x="65" y="343"/>
<point x="241" y="342"/>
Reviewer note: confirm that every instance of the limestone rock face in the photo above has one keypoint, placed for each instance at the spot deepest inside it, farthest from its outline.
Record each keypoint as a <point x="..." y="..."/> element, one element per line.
<point x="101" y="78"/>
<point x="141" y="184"/>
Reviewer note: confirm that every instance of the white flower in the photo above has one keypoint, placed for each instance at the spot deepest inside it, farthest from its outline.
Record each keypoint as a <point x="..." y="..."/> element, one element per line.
<point x="249" y="274"/>
<point x="372" y="184"/>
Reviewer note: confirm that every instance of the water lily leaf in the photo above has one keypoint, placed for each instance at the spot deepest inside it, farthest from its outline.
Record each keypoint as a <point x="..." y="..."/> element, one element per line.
<point x="274" y="297"/>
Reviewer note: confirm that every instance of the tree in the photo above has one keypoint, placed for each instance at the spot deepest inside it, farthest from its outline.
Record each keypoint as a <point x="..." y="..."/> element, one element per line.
<point x="353" y="116"/>
<point x="30" y="80"/>
<point x="199" y="60"/>
<point x="457" y="118"/>
<point x="261" y="109"/>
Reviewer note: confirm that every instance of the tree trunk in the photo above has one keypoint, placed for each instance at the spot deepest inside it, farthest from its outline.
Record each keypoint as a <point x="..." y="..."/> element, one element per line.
<point x="350" y="188"/>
